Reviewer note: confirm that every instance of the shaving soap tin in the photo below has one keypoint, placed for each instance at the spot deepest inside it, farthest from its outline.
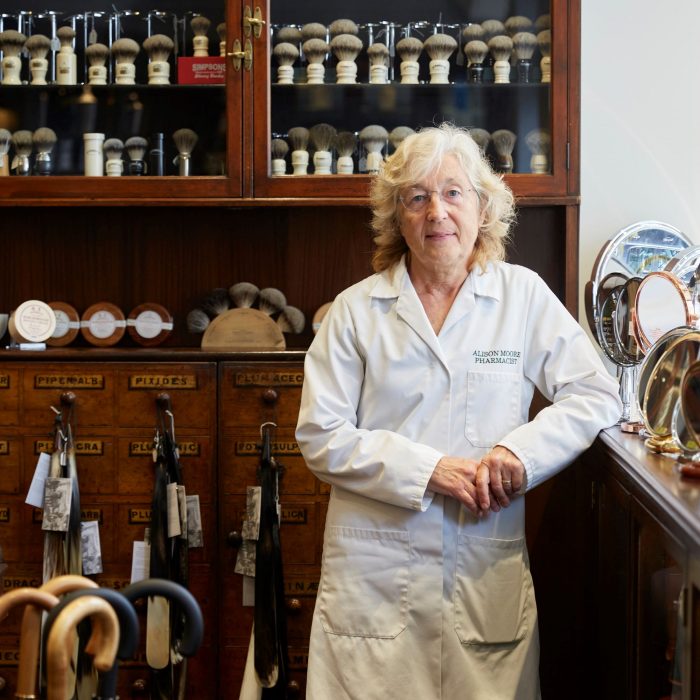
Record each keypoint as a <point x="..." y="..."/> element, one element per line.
<point x="103" y="324"/>
<point x="67" y="324"/>
<point x="149" y="324"/>
<point x="32" y="321"/>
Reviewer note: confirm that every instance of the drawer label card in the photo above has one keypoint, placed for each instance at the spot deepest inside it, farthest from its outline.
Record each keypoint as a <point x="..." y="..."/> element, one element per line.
<point x="292" y="515"/>
<point x="4" y="381"/>
<point x="90" y="514"/>
<point x="282" y="378"/>
<point x="251" y="447"/>
<point x="162" y="381"/>
<point x="141" y="448"/>
<point x="4" y="447"/>
<point x="9" y="583"/>
<point x="72" y="381"/>
<point x="94" y="448"/>
<point x="139" y="516"/>
<point x="4" y="514"/>
<point x="301" y="586"/>
<point x="9" y="656"/>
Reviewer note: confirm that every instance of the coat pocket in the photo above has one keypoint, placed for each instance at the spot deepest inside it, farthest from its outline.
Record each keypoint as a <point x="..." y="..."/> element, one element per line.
<point x="493" y="406"/>
<point x="364" y="585"/>
<point x="491" y="586"/>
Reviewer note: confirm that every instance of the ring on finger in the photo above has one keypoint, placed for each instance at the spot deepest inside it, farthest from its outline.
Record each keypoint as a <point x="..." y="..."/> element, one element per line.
<point x="506" y="482"/>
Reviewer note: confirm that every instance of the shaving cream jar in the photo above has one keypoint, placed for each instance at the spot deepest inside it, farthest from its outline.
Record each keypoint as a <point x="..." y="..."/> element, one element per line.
<point x="32" y="322"/>
<point x="103" y="324"/>
<point x="67" y="324"/>
<point x="149" y="324"/>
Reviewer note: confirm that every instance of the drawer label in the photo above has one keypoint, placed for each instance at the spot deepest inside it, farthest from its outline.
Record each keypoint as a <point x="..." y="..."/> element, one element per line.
<point x="4" y="381"/>
<point x="91" y="514"/>
<point x="69" y="381"/>
<point x="4" y="447"/>
<point x="4" y="514"/>
<point x="162" y="381"/>
<point x="298" y="659"/>
<point x="251" y="447"/>
<point x="94" y="448"/>
<point x="9" y="656"/>
<point x="301" y="586"/>
<point x="294" y="515"/>
<point x="139" y="516"/>
<point x="290" y="378"/>
<point x="141" y="448"/>
<point x="9" y="583"/>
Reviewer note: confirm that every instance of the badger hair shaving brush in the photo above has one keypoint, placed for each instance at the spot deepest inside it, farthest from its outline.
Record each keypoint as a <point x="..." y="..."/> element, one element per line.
<point x="285" y="54"/>
<point x="322" y="136"/>
<point x="315" y="51"/>
<point x="482" y="138"/>
<point x="97" y="55"/>
<point x="314" y="30"/>
<point x="501" y="48"/>
<point x="66" y="60"/>
<point x="22" y="144"/>
<point x="346" y="48"/>
<point x="298" y="138"/>
<point x="343" y="26"/>
<point x="11" y="44"/>
<point x="544" y="41"/>
<point x="221" y="31"/>
<point x="492" y="28"/>
<point x="278" y="150"/>
<point x="113" y="149"/>
<point x="124" y="52"/>
<point x="373" y="138"/>
<point x="516" y="24"/>
<point x="409" y="50"/>
<point x="543" y="22"/>
<point x="398" y="134"/>
<point x="539" y="141"/>
<point x="200" y="42"/>
<point x="476" y="52"/>
<point x="136" y="148"/>
<point x="38" y="46"/>
<point x="158" y="48"/>
<point x="378" y="55"/>
<point x="504" y="142"/>
<point x="440" y="47"/>
<point x="345" y="145"/>
<point x="43" y="140"/>
<point x="185" y="141"/>
<point x="472" y="32"/>
<point x="289" y="35"/>
<point x="524" y="45"/>
<point x="5" y="140"/>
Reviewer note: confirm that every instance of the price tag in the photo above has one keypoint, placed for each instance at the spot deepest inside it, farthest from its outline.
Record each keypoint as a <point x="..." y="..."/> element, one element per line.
<point x="57" y="498"/>
<point x="35" y="496"/>
<point x="91" y="550"/>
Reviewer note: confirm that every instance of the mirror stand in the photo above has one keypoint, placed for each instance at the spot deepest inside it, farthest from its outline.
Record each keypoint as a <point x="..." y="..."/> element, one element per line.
<point x="631" y="420"/>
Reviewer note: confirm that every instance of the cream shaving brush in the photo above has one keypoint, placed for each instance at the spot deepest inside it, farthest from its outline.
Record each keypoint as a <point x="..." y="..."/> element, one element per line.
<point x="5" y="140"/>
<point x="398" y="134"/>
<point x="322" y="137"/>
<point x="409" y="50"/>
<point x="22" y="144"/>
<point x="343" y="26"/>
<point x="481" y="137"/>
<point x="221" y="31"/>
<point x="43" y="140"/>
<point x="113" y="149"/>
<point x="345" y="145"/>
<point x="158" y="48"/>
<point x="539" y="141"/>
<point x="38" y="46"/>
<point x="524" y="45"/>
<point x="11" y="44"/>
<point x="544" y="42"/>
<point x="185" y="141"/>
<point x="314" y="30"/>
<point x="504" y="142"/>
<point x="472" y="32"/>
<point x="200" y="42"/>
<point x="501" y="48"/>
<point x="271" y="301"/>
<point x="298" y="138"/>
<point x="279" y="149"/>
<point x="66" y="60"/>
<point x="440" y="47"/>
<point x="378" y="55"/>
<point x="285" y="54"/>
<point x="346" y="48"/>
<point x="315" y="51"/>
<point x="124" y="52"/>
<point x="373" y="138"/>
<point x="516" y="24"/>
<point x="97" y="55"/>
<point x="136" y="148"/>
<point x="244" y="294"/>
<point x="291" y="320"/>
<point x="476" y="52"/>
<point x="492" y="28"/>
<point x="290" y="35"/>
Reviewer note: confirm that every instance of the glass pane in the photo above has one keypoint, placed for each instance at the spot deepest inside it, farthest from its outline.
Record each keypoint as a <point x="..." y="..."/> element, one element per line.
<point x="128" y="78"/>
<point x="354" y="76"/>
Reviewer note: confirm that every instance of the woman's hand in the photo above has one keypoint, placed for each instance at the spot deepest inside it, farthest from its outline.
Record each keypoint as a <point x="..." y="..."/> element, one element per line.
<point x="499" y="476"/>
<point x="456" y="477"/>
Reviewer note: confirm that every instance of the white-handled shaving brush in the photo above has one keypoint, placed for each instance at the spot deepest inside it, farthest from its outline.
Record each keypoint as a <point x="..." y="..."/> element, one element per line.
<point x="197" y="321"/>
<point x="200" y="42"/>
<point x="472" y="32"/>
<point x="516" y="24"/>
<point x="113" y="149"/>
<point x="501" y="48"/>
<point x="5" y="140"/>
<point x="315" y="51"/>
<point x="378" y="55"/>
<point x="158" y="48"/>
<point x="185" y="141"/>
<point x="136" y="148"/>
<point x="481" y="137"/>
<point x="476" y="52"/>
<point x="409" y="49"/>
<point x="524" y="45"/>
<point x="22" y="144"/>
<point x="504" y="142"/>
<point x="97" y="55"/>
<point x="440" y="47"/>
<point x="66" y="60"/>
<point x="124" y="52"/>
<point x="492" y="28"/>
<point x="279" y="149"/>
<point x="373" y="138"/>
<point x="38" y="46"/>
<point x="314" y="30"/>
<point x="11" y="44"/>
<point x="343" y="26"/>
<point x="539" y="142"/>
<point x="322" y="137"/>
<point x="271" y="301"/>
<point x="298" y="138"/>
<point x="43" y="140"/>
<point x="543" y="22"/>
<point x="285" y="54"/>
<point x="398" y="134"/>
<point x="346" y="48"/>
<point x="345" y="145"/>
<point x="544" y="41"/>
<point x="243" y="294"/>
<point x="291" y="320"/>
<point x="289" y="35"/>
<point x="221" y="31"/>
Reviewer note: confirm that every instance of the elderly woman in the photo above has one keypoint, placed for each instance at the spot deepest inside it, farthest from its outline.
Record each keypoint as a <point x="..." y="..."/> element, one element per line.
<point x="415" y="409"/>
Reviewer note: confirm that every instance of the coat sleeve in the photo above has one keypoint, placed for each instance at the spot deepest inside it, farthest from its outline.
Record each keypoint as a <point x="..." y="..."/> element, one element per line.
<point x="564" y="365"/>
<point x="378" y="464"/>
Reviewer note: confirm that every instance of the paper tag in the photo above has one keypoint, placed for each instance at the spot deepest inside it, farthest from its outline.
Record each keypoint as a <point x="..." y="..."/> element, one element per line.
<point x="248" y="592"/>
<point x="140" y="561"/>
<point x="35" y="495"/>
<point x="91" y="550"/>
<point x="57" y="498"/>
<point x="182" y="510"/>
<point x="245" y="559"/>
<point x="173" y="511"/>
<point x="195" y="534"/>
<point x="251" y="525"/>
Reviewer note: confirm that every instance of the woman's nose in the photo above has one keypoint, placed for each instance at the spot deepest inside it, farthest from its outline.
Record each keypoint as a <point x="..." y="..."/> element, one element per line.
<point x="436" y="207"/>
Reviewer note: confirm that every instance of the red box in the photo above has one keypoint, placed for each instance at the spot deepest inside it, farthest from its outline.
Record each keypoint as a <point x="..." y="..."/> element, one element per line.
<point x="205" y="70"/>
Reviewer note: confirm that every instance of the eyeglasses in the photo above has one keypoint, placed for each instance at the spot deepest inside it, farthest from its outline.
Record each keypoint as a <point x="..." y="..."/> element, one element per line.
<point x="417" y="199"/>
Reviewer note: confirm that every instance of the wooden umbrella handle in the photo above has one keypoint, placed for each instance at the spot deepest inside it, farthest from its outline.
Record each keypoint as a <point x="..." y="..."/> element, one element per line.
<point x="60" y="644"/>
<point x="67" y="583"/>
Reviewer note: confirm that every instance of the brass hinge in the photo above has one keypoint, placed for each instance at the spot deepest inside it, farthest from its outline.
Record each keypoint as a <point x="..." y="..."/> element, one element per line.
<point x="253" y="21"/>
<point x="238" y="54"/>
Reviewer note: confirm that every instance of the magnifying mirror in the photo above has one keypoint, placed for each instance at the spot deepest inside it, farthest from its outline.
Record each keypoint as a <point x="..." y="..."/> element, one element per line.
<point x="689" y="403"/>
<point x="684" y="265"/>
<point x="623" y="321"/>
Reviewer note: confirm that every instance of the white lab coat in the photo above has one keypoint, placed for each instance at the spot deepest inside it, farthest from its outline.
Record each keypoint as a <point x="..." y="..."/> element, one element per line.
<point x="418" y="599"/>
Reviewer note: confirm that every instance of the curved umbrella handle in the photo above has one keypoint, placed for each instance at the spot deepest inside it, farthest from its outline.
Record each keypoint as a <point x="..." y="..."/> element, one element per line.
<point x="67" y="583"/>
<point x="61" y="639"/>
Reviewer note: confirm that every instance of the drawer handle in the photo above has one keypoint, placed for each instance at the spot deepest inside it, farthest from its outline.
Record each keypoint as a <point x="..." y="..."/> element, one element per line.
<point x="139" y="686"/>
<point x="270" y="396"/>
<point x="234" y="539"/>
<point x="293" y="605"/>
<point x="3" y="684"/>
<point x="293" y="689"/>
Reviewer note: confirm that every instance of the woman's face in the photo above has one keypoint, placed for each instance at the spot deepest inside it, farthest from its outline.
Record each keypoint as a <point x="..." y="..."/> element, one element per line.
<point x="439" y="219"/>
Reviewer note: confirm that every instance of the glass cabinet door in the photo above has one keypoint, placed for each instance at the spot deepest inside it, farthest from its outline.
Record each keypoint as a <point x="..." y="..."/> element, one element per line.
<point x="137" y="93"/>
<point x="343" y="86"/>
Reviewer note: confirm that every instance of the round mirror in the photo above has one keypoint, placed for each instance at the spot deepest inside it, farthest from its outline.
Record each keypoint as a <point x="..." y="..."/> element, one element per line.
<point x="623" y="321"/>
<point x="684" y="265"/>
<point x="605" y="328"/>
<point x="689" y="403"/>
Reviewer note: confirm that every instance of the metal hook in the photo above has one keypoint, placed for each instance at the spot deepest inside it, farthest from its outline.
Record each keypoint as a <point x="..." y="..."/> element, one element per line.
<point x="274" y="425"/>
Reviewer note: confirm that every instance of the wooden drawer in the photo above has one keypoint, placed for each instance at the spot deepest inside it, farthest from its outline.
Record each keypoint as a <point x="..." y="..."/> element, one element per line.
<point x="9" y="397"/>
<point x="10" y="464"/>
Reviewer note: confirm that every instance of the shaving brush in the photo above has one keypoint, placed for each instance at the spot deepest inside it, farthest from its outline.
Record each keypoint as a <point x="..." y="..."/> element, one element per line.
<point x="345" y="145"/>
<point x="524" y="45"/>
<point x="409" y="50"/>
<point x="501" y="48"/>
<point x="476" y="52"/>
<point x="290" y="35"/>
<point x="216" y="302"/>
<point x="200" y="41"/>
<point x="185" y="141"/>
<point x="298" y="138"/>
<point x="516" y="24"/>
<point x="472" y="32"/>
<point x="398" y="134"/>
<point x="481" y="137"/>
<point x="539" y="141"/>
<point x="322" y="137"/>
<point x="113" y="149"/>
<point x="503" y="143"/>
<point x="291" y="320"/>
<point x="492" y="28"/>
<point x="285" y="54"/>
<point x="43" y="140"/>
<point x="315" y="51"/>
<point x="378" y="55"/>
<point x="314" y="30"/>
<point x="5" y="140"/>
<point x="66" y="60"/>
<point x="271" y="301"/>
<point x="97" y="55"/>
<point x="136" y="148"/>
<point x="197" y="321"/>
<point x="11" y="45"/>
<point x="243" y="294"/>
<point x="124" y="52"/>
<point x="343" y="26"/>
<point x="158" y="48"/>
<point x="543" y="22"/>
<point x="221" y="31"/>
<point x="279" y="149"/>
<point x="38" y="46"/>
<point x="346" y="48"/>
<point x="440" y="47"/>
<point x="22" y="144"/>
<point x="544" y="41"/>
<point x="373" y="138"/>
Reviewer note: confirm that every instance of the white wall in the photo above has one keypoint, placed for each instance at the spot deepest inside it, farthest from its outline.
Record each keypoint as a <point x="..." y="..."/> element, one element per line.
<point x="640" y="120"/>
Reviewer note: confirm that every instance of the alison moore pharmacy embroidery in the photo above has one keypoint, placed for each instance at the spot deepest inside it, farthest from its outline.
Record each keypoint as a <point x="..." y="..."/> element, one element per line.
<point x="496" y="357"/>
